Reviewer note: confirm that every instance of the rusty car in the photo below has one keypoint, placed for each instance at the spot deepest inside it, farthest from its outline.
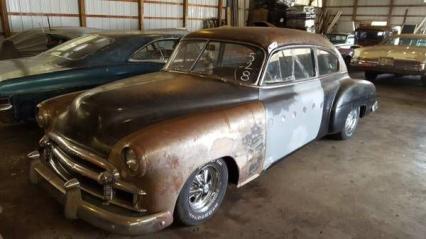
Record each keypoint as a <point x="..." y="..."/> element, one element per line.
<point x="403" y="54"/>
<point x="133" y="156"/>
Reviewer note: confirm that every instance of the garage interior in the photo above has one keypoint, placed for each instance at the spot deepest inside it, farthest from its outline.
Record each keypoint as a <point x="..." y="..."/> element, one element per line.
<point x="371" y="186"/>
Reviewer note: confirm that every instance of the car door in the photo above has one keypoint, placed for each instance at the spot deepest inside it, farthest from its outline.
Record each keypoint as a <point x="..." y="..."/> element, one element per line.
<point x="293" y="98"/>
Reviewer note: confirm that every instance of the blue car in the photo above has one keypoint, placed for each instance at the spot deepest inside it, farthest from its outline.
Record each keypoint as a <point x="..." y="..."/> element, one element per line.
<point x="79" y="64"/>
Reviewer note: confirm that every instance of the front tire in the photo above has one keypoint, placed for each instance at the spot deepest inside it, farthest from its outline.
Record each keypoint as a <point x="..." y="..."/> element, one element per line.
<point x="202" y="193"/>
<point x="350" y="125"/>
<point x="370" y="75"/>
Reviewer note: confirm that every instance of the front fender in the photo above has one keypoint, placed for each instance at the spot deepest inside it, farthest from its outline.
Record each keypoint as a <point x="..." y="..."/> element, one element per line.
<point x="53" y="107"/>
<point x="352" y="93"/>
<point x="173" y="149"/>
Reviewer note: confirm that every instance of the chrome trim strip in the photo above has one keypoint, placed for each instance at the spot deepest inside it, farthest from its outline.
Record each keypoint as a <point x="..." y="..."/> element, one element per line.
<point x="82" y="153"/>
<point x="5" y="107"/>
<point x="97" y="195"/>
<point x="74" y="166"/>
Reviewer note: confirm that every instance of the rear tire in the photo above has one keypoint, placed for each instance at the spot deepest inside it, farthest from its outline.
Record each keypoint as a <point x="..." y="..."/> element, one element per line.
<point x="202" y="193"/>
<point x="370" y="75"/>
<point x="350" y="125"/>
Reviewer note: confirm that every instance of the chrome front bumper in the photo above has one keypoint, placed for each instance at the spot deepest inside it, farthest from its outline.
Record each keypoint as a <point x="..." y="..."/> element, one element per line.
<point x="69" y="193"/>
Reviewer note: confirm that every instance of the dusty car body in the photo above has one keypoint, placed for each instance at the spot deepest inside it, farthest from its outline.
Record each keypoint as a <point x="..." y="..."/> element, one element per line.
<point x="345" y="44"/>
<point x="129" y="157"/>
<point x="401" y="54"/>
<point x="35" y="41"/>
<point x="79" y="64"/>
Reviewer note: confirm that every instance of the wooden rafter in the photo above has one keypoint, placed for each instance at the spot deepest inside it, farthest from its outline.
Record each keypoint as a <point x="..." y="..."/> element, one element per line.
<point x="141" y="13"/>
<point x="405" y="17"/>
<point x="185" y="12"/>
<point x="219" y="11"/>
<point x="4" y="18"/>
<point x="391" y="6"/>
<point x="82" y="12"/>
<point x="355" y="10"/>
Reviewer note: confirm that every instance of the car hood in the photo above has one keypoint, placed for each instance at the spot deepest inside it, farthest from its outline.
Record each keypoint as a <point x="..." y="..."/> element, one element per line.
<point x="102" y="116"/>
<point x="396" y="52"/>
<point x="17" y="68"/>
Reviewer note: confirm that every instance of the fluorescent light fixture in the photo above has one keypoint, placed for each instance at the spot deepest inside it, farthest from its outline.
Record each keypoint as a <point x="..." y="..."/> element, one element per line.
<point x="379" y="23"/>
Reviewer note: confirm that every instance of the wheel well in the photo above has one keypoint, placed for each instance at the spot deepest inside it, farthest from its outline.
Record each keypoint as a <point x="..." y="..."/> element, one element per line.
<point x="362" y="110"/>
<point x="233" y="172"/>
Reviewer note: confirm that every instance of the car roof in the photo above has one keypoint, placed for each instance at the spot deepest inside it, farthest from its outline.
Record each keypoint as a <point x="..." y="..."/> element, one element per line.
<point x="418" y="36"/>
<point x="266" y="37"/>
<point x="147" y="33"/>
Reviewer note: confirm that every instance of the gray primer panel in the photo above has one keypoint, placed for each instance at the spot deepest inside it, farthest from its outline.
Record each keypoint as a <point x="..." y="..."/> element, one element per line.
<point x="294" y="114"/>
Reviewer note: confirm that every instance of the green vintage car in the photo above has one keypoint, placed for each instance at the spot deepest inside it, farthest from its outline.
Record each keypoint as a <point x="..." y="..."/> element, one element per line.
<point x="77" y="65"/>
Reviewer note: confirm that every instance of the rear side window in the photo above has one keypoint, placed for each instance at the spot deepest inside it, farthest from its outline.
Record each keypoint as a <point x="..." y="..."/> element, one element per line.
<point x="158" y="51"/>
<point x="327" y="62"/>
<point x="290" y="65"/>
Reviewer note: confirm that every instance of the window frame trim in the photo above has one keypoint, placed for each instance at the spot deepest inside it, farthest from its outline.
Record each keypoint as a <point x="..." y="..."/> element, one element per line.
<point x="284" y="84"/>
<point x="331" y="53"/>
<point x="259" y="77"/>
<point x="262" y="83"/>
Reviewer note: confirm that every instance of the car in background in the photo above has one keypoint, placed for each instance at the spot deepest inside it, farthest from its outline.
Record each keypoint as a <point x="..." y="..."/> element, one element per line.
<point x="403" y="54"/>
<point x="79" y="64"/>
<point x="345" y="43"/>
<point x="371" y="35"/>
<point x="35" y="41"/>
<point x="132" y="156"/>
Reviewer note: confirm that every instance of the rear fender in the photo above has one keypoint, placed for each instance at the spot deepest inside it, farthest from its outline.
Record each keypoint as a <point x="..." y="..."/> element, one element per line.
<point x="352" y="93"/>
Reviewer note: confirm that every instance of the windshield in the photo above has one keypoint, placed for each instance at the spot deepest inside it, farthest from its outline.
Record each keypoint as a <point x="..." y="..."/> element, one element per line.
<point x="405" y="41"/>
<point x="81" y="47"/>
<point x="229" y="61"/>
<point x="337" y="39"/>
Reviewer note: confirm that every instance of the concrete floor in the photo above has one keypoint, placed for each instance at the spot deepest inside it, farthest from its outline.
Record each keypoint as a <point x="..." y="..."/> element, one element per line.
<point x="372" y="186"/>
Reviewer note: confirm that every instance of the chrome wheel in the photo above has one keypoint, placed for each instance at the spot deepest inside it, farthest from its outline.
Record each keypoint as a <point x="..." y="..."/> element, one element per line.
<point x="204" y="189"/>
<point x="351" y="122"/>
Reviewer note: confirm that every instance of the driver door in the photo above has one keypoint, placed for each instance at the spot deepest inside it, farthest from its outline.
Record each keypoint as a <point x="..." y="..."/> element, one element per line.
<point x="293" y="98"/>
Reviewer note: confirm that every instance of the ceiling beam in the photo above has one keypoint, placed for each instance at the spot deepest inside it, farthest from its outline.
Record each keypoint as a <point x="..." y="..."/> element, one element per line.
<point x="4" y="18"/>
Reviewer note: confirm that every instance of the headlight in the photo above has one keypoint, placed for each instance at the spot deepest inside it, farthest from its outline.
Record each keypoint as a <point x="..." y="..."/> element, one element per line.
<point x="130" y="159"/>
<point x="42" y="119"/>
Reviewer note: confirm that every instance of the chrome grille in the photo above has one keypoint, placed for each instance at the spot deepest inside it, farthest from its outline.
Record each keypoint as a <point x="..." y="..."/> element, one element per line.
<point x="68" y="161"/>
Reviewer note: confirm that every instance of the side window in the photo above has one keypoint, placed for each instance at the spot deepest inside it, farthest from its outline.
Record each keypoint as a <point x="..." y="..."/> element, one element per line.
<point x="166" y="47"/>
<point x="156" y="51"/>
<point x="327" y="62"/>
<point x="289" y="65"/>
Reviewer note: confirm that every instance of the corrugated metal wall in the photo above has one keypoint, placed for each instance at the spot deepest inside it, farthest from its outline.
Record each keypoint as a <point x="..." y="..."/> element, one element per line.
<point x="378" y="10"/>
<point x="26" y="14"/>
<point x="163" y="14"/>
<point x="115" y="14"/>
<point x="199" y="10"/>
